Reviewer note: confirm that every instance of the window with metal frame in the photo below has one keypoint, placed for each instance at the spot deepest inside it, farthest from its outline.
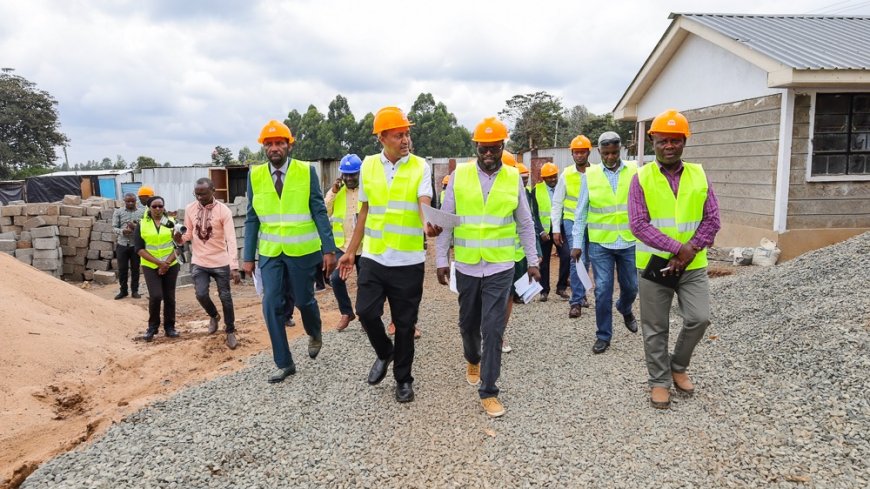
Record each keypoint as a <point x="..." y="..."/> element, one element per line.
<point x="841" y="134"/>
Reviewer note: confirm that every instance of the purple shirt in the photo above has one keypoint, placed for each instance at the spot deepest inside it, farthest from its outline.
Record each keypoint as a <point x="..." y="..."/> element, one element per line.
<point x="639" y="220"/>
<point x="525" y="229"/>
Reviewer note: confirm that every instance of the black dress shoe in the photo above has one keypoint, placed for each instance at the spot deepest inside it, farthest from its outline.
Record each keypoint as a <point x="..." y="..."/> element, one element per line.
<point x="543" y="297"/>
<point x="600" y="346"/>
<point x="149" y="334"/>
<point x="171" y="333"/>
<point x="379" y="370"/>
<point x="135" y="295"/>
<point x="121" y="295"/>
<point x="630" y="322"/>
<point x="405" y="392"/>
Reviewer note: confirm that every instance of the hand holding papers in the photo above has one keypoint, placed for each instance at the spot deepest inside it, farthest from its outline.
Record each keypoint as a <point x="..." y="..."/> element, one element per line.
<point x="527" y="289"/>
<point x="583" y="274"/>
<point x="439" y="218"/>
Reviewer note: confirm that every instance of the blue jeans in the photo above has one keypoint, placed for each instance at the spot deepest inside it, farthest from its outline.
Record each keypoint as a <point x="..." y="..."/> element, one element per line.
<point x="339" y="288"/>
<point x="604" y="260"/>
<point x="578" y="292"/>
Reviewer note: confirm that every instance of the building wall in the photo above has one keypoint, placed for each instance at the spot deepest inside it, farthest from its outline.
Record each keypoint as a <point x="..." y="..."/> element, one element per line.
<point x="175" y="184"/>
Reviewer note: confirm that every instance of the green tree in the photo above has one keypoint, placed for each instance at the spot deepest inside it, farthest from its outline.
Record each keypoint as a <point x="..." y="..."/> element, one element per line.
<point x="538" y="121"/>
<point x="595" y="125"/>
<point x="145" y="162"/>
<point x="29" y="127"/>
<point x="314" y="140"/>
<point x="435" y="132"/>
<point x="221" y="156"/>
<point x="363" y="142"/>
<point x="341" y="124"/>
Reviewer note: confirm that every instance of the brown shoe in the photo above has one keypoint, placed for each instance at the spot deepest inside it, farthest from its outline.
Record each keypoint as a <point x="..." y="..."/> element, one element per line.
<point x="563" y="294"/>
<point x="683" y="383"/>
<point x="660" y="398"/>
<point x="492" y="406"/>
<point x="472" y="373"/>
<point x="232" y="342"/>
<point x="344" y="321"/>
<point x="213" y="324"/>
<point x="391" y="329"/>
<point x="575" y="311"/>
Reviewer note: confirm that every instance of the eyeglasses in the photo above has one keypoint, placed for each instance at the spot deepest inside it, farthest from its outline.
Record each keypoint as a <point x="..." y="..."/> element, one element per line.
<point x="489" y="149"/>
<point x="156" y="206"/>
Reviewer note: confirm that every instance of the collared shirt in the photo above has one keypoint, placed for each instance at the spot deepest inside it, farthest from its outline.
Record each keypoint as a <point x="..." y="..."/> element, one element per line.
<point x="391" y="257"/>
<point x="639" y="219"/>
<point x="351" y="196"/>
<point x="557" y="201"/>
<point x="581" y="213"/>
<point x="120" y="218"/>
<point x="283" y="168"/>
<point x="220" y="249"/>
<point x="525" y="229"/>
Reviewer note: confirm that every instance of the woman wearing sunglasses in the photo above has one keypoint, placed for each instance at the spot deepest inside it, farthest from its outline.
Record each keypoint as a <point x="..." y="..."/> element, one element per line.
<point x="153" y="242"/>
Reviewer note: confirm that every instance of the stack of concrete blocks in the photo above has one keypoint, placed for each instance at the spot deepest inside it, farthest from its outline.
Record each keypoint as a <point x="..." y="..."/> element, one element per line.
<point x="100" y="264"/>
<point x="239" y="208"/>
<point x="35" y="231"/>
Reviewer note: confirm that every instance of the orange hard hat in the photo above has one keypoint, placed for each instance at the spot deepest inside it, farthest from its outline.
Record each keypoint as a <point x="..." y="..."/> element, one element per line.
<point x="490" y="130"/>
<point x="390" y="118"/>
<point x="670" y="122"/>
<point x="145" y="191"/>
<point x="508" y="159"/>
<point x="548" y="170"/>
<point x="445" y="180"/>
<point x="581" y="142"/>
<point x="275" y="129"/>
<point x="522" y="168"/>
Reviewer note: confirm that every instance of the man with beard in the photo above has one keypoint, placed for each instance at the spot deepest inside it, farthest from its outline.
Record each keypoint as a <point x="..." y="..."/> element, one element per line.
<point x="342" y="204"/>
<point x="288" y="226"/>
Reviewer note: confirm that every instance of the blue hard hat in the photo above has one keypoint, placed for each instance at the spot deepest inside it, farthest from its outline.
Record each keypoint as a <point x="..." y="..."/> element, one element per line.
<point x="350" y="164"/>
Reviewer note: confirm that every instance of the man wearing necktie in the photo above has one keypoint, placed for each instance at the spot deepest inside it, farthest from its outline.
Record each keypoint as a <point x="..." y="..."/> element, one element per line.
<point x="287" y="225"/>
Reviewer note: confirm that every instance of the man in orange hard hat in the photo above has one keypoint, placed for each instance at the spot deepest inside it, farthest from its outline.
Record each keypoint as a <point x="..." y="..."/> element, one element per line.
<point x="145" y="192"/>
<point x="394" y="184"/>
<point x="674" y="214"/>
<point x="288" y="226"/>
<point x="564" y="203"/>
<point x="542" y="196"/>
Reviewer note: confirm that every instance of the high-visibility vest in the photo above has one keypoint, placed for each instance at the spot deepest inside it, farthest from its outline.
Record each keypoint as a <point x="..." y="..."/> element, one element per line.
<point x="487" y="230"/>
<point x="572" y="179"/>
<point x="608" y="211"/>
<point x="393" y="218"/>
<point x="158" y="241"/>
<point x="286" y="225"/>
<point x="339" y="207"/>
<point x="542" y="196"/>
<point x="677" y="217"/>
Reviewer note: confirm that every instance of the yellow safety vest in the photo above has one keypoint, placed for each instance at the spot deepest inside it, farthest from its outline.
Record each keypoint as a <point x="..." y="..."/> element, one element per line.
<point x="286" y="225"/>
<point x="487" y="230"/>
<point x="608" y="211"/>
<point x="158" y="241"/>
<point x="542" y="196"/>
<point x="393" y="218"/>
<point x="339" y="206"/>
<point x="677" y="217"/>
<point x="572" y="179"/>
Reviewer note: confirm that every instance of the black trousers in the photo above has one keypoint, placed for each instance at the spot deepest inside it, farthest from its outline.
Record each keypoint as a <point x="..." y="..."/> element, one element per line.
<point x="161" y="289"/>
<point x="201" y="278"/>
<point x="564" y="252"/>
<point x="128" y="264"/>
<point x="403" y="287"/>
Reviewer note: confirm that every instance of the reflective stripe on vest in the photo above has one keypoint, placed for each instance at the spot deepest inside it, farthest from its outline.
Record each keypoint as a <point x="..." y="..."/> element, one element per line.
<point x="393" y="219"/>
<point x="286" y="225"/>
<point x="487" y="230"/>
<point x="158" y="241"/>
<point x="542" y="196"/>
<point x="339" y="210"/>
<point x="608" y="210"/>
<point x="572" y="179"/>
<point x="677" y="217"/>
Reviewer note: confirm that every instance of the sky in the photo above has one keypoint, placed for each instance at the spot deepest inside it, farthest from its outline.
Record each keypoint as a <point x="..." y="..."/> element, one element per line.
<point x="172" y="79"/>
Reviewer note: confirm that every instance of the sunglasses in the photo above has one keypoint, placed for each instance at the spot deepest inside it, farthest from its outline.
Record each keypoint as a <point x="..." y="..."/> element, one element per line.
<point x="156" y="206"/>
<point x="489" y="149"/>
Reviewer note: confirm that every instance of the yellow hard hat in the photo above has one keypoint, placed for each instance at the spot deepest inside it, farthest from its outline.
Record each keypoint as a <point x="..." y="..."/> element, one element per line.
<point x="390" y="118"/>
<point x="275" y="129"/>
<point x="548" y="170"/>
<point x="522" y="168"/>
<point x="670" y="122"/>
<point x="445" y="180"/>
<point x="508" y="159"/>
<point x="490" y="130"/>
<point x="581" y="142"/>
<point x="145" y="191"/>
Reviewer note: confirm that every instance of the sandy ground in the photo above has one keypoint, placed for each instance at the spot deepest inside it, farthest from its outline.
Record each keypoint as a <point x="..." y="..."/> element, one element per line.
<point x="72" y="364"/>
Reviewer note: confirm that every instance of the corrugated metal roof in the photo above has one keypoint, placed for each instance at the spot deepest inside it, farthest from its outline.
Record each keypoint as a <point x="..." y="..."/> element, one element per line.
<point x="803" y="42"/>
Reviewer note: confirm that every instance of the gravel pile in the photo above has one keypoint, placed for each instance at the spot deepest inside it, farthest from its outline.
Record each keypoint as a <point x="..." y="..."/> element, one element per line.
<point x="782" y="402"/>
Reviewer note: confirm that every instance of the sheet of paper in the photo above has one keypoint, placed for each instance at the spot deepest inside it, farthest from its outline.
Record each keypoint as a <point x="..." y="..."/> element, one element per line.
<point x="583" y="274"/>
<point x="258" y="281"/>
<point x="440" y="218"/>
<point x="526" y="288"/>
<point x="453" y="287"/>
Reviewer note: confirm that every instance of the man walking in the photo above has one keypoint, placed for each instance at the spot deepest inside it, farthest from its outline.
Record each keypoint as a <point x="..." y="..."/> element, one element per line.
<point x="394" y="184"/>
<point x="565" y="197"/>
<point x="490" y="200"/>
<point x="542" y="196"/>
<point x="288" y="226"/>
<point x="342" y="204"/>
<point x="212" y="236"/>
<point x="674" y="214"/>
<point x="603" y="206"/>
<point x="124" y="221"/>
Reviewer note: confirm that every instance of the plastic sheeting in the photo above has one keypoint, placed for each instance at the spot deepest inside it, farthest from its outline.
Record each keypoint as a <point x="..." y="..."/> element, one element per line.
<point x="52" y="189"/>
<point x="10" y="191"/>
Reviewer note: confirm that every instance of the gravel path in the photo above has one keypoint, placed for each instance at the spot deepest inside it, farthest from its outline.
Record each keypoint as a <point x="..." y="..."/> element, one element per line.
<point x="782" y="402"/>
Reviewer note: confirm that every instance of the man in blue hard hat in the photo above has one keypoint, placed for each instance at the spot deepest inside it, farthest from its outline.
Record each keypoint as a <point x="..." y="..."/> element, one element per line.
<point x="342" y="206"/>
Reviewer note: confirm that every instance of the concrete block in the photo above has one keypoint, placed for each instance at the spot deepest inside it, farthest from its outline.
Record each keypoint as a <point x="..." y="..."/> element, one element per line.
<point x="52" y="210"/>
<point x="88" y="234"/>
<point x="8" y="235"/>
<point x="46" y="264"/>
<point x="95" y="235"/>
<point x="78" y="242"/>
<point x="63" y="220"/>
<point x="24" y="252"/>
<point x="106" y="214"/>
<point x="24" y="244"/>
<point x="98" y="265"/>
<point x="103" y="227"/>
<point x="68" y="231"/>
<point x="50" y="220"/>
<point x="107" y="255"/>
<point x="44" y="232"/>
<point x="88" y="275"/>
<point x="92" y="211"/>
<point x="104" y="278"/>
<point x="46" y="254"/>
<point x="239" y="221"/>
<point x="77" y="260"/>
<point x="6" y="221"/>
<point x="71" y="211"/>
<point x="68" y="268"/>
<point x="11" y="210"/>
<point x="93" y="254"/>
<point x="20" y="220"/>
<point x="68" y="250"/>
<point x="11" y="229"/>
<point x="25" y="259"/>
<point x="81" y="222"/>
<point x="101" y="246"/>
<point x="114" y="264"/>
<point x="109" y="238"/>
<point x="36" y="209"/>
<point x="72" y="200"/>
<point x="46" y="244"/>
<point x="8" y="245"/>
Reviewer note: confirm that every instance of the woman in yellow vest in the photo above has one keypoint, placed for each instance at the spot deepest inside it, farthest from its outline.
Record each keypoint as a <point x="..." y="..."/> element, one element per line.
<point x="153" y="242"/>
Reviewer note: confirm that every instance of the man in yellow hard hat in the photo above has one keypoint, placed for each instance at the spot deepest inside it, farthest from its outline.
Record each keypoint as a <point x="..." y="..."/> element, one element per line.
<point x="489" y="199"/>
<point x="444" y="182"/>
<point x="145" y="192"/>
<point x="542" y="196"/>
<point x="564" y="203"/>
<point x="288" y="226"/>
<point x="603" y="206"/>
<point x="674" y="215"/>
<point x="394" y="184"/>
